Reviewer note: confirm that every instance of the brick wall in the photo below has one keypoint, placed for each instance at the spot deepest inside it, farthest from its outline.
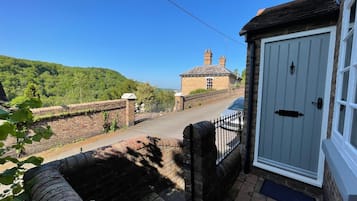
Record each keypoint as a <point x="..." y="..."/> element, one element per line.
<point x="75" y="122"/>
<point x="204" y="180"/>
<point x="126" y="171"/>
<point x="189" y="84"/>
<point x="330" y="189"/>
<point x="190" y="101"/>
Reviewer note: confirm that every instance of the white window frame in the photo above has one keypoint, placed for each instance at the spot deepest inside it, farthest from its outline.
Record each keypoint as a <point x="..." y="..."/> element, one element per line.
<point x="342" y="142"/>
<point x="209" y="78"/>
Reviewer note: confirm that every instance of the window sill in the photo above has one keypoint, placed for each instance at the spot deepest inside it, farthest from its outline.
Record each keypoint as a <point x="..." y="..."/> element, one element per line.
<point x="345" y="180"/>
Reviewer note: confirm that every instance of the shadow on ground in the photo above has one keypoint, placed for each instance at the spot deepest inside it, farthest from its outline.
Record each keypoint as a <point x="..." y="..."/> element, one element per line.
<point x="140" y="169"/>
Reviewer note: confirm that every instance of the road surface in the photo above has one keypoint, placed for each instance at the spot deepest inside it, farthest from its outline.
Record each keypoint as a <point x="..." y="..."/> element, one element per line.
<point x="168" y="125"/>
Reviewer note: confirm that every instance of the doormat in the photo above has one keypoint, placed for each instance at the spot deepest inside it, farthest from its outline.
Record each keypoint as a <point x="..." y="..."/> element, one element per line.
<point x="282" y="193"/>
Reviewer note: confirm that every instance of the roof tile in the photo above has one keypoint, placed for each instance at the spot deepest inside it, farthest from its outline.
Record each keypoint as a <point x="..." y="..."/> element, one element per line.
<point x="294" y="11"/>
<point x="207" y="70"/>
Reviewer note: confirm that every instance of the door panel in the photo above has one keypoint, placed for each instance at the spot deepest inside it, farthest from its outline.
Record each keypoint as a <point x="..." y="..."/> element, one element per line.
<point x="294" y="77"/>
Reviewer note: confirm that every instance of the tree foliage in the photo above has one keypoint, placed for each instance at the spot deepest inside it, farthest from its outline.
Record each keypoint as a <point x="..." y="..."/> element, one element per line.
<point x="145" y="95"/>
<point x="243" y="76"/>
<point x="154" y="99"/>
<point x="15" y="123"/>
<point x="29" y="93"/>
<point x="165" y="99"/>
<point x="60" y="85"/>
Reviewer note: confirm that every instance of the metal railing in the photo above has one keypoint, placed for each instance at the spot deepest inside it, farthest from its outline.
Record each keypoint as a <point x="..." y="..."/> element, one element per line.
<point x="228" y="134"/>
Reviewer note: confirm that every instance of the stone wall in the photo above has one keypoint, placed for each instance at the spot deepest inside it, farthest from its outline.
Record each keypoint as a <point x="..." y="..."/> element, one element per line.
<point x="129" y="170"/>
<point x="78" y="121"/>
<point x="190" y="101"/>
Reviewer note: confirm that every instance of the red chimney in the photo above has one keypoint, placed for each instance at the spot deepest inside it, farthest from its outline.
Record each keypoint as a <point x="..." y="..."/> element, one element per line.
<point x="222" y="61"/>
<point x="208" y="57"/>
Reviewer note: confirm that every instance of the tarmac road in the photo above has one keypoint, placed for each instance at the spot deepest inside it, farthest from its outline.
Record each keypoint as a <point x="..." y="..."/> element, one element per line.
<point x="168" y="125"/>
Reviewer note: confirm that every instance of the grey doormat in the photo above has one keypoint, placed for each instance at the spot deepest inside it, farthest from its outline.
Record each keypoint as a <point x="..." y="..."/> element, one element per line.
<point x="282" y="193"/>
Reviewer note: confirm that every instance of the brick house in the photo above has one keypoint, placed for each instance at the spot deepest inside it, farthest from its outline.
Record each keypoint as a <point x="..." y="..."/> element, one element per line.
<point x="301" y="95"/>
<point x="208" y="76"/>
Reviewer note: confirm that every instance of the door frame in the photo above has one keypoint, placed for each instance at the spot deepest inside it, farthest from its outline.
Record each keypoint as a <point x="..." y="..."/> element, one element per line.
<point x="326" y="106"/>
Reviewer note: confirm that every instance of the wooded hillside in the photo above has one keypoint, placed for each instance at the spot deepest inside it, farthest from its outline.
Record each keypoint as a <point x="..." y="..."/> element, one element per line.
<point x="61" y="85"/>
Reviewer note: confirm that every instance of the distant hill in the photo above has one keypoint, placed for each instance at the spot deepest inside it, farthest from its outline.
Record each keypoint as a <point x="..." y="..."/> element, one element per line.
<point x="61" y="85"/>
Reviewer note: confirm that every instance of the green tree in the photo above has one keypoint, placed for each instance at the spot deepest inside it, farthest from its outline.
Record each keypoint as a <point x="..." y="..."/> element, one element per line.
<point x="80" y="84"/>
<point x="243" y="76"/>
<point x="145" y="94"/>
<point x="165" y="99"/>
<point x="30" y="92"/>
<point x="15" y="123"/>
<point x="62" y="85"/>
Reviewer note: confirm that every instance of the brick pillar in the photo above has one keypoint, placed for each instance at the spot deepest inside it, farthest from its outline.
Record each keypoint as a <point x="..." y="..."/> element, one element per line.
<point x="130" y="108"/>
<point x="200" y="155"/>
<point x="179" y="102"/>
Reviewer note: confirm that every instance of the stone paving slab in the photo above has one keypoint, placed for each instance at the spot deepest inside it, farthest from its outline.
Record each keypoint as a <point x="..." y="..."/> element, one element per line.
<point x="247" y="188"/>
<point x="169" y="194"/>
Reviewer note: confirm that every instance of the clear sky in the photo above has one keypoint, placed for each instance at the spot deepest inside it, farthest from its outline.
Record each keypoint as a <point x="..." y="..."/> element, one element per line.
<point x="145" y="40"/>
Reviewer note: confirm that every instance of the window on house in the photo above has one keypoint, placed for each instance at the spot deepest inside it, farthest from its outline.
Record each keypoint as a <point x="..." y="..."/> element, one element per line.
<point x="345" y="116"/>
<point x="209" y="83"/>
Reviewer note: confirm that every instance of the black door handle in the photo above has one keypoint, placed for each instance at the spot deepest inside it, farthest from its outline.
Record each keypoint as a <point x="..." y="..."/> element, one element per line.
<point x="318" y="103"/>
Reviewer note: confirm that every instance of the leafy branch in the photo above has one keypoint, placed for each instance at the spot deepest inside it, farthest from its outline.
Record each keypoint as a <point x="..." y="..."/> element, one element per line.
<point x="16" y="123"/>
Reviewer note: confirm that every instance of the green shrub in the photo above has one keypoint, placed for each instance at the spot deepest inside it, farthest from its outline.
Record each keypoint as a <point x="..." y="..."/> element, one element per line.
<point x="15" y="123"/>
<point x="200" y="91"/>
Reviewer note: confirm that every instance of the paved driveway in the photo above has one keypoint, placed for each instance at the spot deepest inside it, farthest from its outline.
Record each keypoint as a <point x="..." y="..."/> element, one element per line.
<point x="168" y="125"/>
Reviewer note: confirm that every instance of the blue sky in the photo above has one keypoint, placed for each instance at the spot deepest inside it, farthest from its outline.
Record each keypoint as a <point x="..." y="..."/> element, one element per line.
<point x="145" y="40"/>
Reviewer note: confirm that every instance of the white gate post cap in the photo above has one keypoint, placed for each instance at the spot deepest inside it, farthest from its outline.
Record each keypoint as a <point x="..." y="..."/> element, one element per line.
<point x="129" y="96"/>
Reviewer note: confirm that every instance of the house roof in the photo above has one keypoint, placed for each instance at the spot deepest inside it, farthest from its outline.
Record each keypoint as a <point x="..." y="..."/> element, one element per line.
<point x="207" y="70"/>
<point x="2" y="94"/>
<point x="292" y="12"/>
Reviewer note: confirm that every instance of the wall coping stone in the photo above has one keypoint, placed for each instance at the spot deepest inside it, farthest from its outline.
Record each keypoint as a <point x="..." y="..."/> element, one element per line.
<point x="129" y="96"/>
<point x="75" y="108"/>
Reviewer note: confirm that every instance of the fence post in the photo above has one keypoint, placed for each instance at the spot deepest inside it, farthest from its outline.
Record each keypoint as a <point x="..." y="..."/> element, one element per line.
<point x="130" y="108"/>
<point x="179" y="102"/>
<point x="200" y="162"/>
